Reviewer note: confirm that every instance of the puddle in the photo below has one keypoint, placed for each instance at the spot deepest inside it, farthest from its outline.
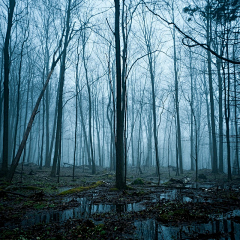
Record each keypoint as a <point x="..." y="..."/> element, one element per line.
<point x="199" y="185"/>
<point x="179" y="195"/>
<point x="220" y="228"/>
<point x="224" y="226"/>
<point x="208" y="185"/>
<point x="84" y="210"/>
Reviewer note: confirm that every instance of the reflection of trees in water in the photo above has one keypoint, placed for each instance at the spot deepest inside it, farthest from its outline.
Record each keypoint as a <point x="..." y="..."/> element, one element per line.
<point x="214" y="229"/>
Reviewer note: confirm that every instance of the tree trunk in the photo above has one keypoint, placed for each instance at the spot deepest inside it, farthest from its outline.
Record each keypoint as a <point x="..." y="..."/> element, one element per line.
<point x="155" y="135"/>
<point x="120" y="183"/>
<point x="192" y="103"/>
<point x="47" y="157"/>
<point x="6" y="88"/>
<point x="213" y="128"/>
<point x="18" y="98"/>
<point x="227" y="113"/>
<point x="42" y="144"/>
<point x="179" y="141"/>
<point x="236" y="165"/>
<point x="220" y="118"/>
<point x="90" y="105"/>
<point x="57" y="151"/>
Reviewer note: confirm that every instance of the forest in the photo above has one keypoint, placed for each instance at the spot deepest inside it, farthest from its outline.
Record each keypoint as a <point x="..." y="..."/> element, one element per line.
<point x="119" y="119"/>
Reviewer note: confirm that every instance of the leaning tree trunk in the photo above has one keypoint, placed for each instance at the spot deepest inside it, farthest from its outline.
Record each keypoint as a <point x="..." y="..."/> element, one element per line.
<point x="30" y="123"/>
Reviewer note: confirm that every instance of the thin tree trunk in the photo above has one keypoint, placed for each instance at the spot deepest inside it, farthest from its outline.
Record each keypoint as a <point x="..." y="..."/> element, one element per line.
<point x="98" y="133"/>
<point x="90" y="107"/>
<point x="236" y="116"/>
<point x="57" y="150"/>
<point x="83" y="126"/>
<point x="76" y="113"/>
<point x="1" y="95"/>
<point x="227" y="114"/>
<point x="47" y="157"/>
<point x="42" y="145"/>
<point x="213" y="128"/>
<point x="220" y="118"/>
<point x="192" y="102"/>
<point x="177" y="103"/>
<point x="154" y="117"/>
<point x="147" y="37"/>
<point x="177" y="155"/>
<point x="48" y="160"/>
<point x="25" y="123"/>
<point x="103" y="132"/>
<point x="109" y="118"/>
<point x="132" y="125"/>
<point x="18" y="98"/>
<point x="149" y="124"/>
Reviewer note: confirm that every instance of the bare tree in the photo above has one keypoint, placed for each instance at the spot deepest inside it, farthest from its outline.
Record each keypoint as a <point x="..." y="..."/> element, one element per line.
<point x="57" y="151"/>
<point x="148" y="37"/>
<point x="6" y="87"/>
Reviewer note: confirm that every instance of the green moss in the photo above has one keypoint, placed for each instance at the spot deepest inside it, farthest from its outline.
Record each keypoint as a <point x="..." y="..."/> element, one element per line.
<point x="114" y="189"/>
<point x="39" y="206"/>
<point x="138" y="181"/>
<point x="167" y="183"/>
<point x="80" y="189"/>
<point x="129" y="188"/>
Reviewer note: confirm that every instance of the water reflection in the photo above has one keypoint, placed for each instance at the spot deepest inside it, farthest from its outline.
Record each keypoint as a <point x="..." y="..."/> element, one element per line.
<point x="215" y="229"/>
<point x="84" y="210"/>
<point x="224" y="226"/>
<point x="178" y="195"/>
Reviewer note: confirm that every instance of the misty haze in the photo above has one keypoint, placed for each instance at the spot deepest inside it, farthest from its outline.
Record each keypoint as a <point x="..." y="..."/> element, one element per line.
<point x="119" y="119"/>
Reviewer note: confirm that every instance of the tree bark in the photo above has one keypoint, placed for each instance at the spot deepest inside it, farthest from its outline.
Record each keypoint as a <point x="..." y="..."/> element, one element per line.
<point x="6" y="87"/>
<point x="179" y="141"/>
<point x="220" y="118"/>
<point x="120" y="183"/>
<point x="90" y="105"/>
<point x="57" y="151"/>
<point x="213" y="128"/>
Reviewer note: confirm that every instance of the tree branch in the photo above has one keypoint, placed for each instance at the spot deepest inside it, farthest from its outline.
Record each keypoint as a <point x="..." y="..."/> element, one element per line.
<point x="196" y="43"/>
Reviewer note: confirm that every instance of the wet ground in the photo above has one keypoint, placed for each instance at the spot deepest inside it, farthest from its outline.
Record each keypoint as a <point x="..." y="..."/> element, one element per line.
<point x="38" y="207"/>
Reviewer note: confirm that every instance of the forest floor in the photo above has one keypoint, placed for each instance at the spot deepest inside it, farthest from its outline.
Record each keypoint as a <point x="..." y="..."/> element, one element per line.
<point x="37" y="206"/>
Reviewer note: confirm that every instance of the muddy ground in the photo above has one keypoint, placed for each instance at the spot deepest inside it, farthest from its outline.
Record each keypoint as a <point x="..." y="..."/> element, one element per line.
<point x="37" y="206"/>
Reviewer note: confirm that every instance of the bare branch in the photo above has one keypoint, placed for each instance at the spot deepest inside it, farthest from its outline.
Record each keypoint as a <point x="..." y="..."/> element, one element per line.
<point x="196" y="43"/>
